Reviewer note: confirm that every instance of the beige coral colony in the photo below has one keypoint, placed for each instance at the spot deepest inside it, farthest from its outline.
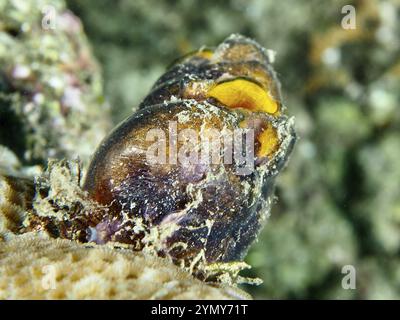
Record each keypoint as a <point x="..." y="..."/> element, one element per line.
<point x="147" y="219"/>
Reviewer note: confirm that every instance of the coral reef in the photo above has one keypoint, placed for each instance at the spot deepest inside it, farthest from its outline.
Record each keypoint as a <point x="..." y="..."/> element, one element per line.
<point x="16" y="196"/>
<point x="50" y="84"/>
<point x="33" y="267"/>
<point x="339" y="198"/>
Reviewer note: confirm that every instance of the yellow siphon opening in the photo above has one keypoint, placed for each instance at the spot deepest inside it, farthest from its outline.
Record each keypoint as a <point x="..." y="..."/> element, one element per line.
<point x="241" y="93"/>
<point x="269" y="142"/>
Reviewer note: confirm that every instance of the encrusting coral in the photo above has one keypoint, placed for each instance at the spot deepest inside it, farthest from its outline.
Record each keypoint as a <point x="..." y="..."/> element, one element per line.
<point x="33" y="267"/>
<point x="16" y="195"/>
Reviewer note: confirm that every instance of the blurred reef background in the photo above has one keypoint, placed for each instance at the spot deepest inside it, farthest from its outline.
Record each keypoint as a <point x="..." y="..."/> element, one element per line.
<point x="63" y="89"/>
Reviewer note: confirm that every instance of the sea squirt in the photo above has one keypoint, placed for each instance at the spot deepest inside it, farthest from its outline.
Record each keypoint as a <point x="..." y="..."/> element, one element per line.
<point x="224" y="103"/>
